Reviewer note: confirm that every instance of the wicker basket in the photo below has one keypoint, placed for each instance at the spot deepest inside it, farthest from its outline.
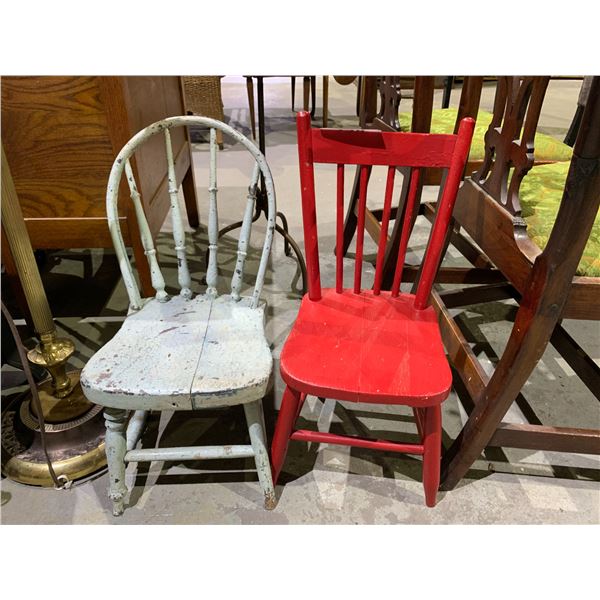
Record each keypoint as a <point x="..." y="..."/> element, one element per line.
<point x="202" y="97"/>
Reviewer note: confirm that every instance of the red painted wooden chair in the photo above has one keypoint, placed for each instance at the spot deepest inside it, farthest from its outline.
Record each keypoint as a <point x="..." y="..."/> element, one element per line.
<point x="375" y="346"/>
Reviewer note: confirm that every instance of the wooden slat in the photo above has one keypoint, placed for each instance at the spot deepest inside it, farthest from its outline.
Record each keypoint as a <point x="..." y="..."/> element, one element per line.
<point x="360" y="231"/>
<point x="458" y="275"/>
<point x="477" y="294"/>
<point x="584" y="299"/>
<point x="587" y="370"/>
<point x="183" y="274"/>
<point x="422" y="104"/>
<point x="382" y="148"/>
<point x="305" y="435"/>
<point x="378" y="213"/>
<point x="373" y="226"/>
<point x="541" y="437"/>
<point x="339" y="253"/>
<point x="245" y="231"/>
<point x="213" y="218"/>
<point x="406" y="229"/>
<point x="383" y="241"/>
<point x="460" y="354"/>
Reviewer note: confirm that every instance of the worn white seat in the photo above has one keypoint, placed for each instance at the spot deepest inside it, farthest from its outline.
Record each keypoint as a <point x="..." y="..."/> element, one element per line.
<point x="184" y="352"/>
<point x="183" y="355"/>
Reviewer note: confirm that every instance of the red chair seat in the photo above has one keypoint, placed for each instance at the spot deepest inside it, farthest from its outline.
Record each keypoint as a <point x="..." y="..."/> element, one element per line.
<point x="367" y="348"/>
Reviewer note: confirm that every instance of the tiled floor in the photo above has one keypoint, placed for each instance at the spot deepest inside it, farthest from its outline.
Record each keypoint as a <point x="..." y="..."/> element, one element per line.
<point x="324" y="484"/>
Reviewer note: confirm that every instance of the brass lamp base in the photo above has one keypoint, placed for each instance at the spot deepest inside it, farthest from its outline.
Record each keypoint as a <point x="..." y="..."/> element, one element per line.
<point x="75" y="442"/>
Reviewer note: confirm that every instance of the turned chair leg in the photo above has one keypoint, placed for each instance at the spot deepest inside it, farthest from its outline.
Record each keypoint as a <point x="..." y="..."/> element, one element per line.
<point x="433" y="452"/>
<point x="258" y="439"/>
<point x="283" y="428"/>
<point x="116" y="447"/>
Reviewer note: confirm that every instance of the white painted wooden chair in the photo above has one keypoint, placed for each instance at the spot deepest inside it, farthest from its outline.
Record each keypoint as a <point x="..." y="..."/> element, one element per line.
<point x="184" y="352"/>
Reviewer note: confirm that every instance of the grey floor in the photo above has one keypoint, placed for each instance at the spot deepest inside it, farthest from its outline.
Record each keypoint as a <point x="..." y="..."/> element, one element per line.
<point x="323" y="484"/>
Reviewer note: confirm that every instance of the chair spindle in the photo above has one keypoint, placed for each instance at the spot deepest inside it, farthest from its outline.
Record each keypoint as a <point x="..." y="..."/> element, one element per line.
<point x="213" y="217"/>
<point x="360" y="237"/>
<point x="183" y="273"/>
<point x="158" y="282"/>
<point x="406" y="227"/>
<point x="383" y="239"/>
<point x="339" y="252"/>
<point x="245" y="232"/>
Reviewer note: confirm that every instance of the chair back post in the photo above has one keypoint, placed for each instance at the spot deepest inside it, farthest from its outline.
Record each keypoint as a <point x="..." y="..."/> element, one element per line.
<point x="245" y="231"/>
<point x="587" y="145"/>
<point x="183" y="273"/>
<point x="470" y="98"/>
<point x="444" y="214"/>
<point x="309" y="213"/>
<point x="213" y="219"/>
<point x="156" y="276"/>
<point x="509" y="140"/>
<point x="422" y="104"/>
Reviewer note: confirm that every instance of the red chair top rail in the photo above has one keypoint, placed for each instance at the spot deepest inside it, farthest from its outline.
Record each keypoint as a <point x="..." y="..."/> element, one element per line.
<point x="371" y="147"/>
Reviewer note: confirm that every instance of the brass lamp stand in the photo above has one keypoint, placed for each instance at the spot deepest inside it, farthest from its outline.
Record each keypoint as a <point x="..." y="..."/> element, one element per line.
<point x="74" y="426"/>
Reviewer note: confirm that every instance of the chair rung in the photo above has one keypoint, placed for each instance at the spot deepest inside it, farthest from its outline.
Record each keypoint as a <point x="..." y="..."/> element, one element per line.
<point x="304" y="435"/>
<point x="191" y="453"/>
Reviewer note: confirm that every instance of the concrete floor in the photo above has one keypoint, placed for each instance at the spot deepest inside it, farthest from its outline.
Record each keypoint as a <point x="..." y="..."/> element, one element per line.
<point x="323" y="484"/>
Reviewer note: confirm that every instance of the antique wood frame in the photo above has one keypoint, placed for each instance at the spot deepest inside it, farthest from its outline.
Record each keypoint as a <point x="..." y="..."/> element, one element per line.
<point x="543" y="282"/>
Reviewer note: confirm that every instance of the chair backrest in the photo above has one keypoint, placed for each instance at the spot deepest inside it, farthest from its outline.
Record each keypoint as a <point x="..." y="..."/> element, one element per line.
<point x="390" y="93"/>
<point x="122" y="163"/>
<point x="509" y="140"/>
<point x="367" y="148"/>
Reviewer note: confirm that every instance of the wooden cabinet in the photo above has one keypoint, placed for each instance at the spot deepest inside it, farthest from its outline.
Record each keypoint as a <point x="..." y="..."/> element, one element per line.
<point x="61" y="136"/>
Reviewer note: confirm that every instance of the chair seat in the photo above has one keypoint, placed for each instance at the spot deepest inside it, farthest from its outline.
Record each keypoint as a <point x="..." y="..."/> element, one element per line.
<point x="182" y="355"/>
<point x="367" y="348"/>
<point x="541" y="193"/>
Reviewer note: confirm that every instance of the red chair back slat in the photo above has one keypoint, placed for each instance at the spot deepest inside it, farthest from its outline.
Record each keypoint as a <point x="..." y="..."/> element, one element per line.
<point x="385" y="222"/>
<point x="368" y="148"/>
<point x="413" y="189"/>
<point x="339" y="232"/>
<point x="360" y="230"/>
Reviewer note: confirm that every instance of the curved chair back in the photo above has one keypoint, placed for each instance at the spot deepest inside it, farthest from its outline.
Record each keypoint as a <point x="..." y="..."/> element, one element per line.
<point x="367" y="148"/>
<point x="122" y="164"/>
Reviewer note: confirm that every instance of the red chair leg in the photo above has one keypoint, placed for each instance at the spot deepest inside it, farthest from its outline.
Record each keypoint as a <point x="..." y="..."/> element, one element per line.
<point x="432" y="440"/>
<point x="283" y="428"/>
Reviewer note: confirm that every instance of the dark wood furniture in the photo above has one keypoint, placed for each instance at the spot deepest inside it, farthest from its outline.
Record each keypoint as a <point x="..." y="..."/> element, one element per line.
<point x="542" y="281"/>
<point x="61" y="135"/>
<point x="390" y="91"/>
<point x="370" y="345"/>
